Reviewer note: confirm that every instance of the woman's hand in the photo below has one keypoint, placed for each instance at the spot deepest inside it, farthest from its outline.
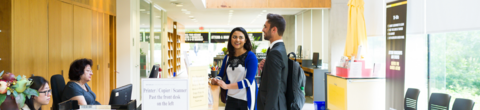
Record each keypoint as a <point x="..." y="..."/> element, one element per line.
<point x="213" y="81"/>
<point x="222" y="84"/>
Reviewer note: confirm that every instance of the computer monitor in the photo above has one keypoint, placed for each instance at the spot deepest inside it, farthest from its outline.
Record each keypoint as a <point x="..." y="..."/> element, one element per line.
<point x="121" y="95"/>
<point x="299" y="53"/>
<point x="154" y="72"/>
<point x="315" y="59"/>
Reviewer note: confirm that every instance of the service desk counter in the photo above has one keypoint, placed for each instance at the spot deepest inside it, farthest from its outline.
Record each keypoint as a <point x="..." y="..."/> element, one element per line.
<point x="355" y="93"/>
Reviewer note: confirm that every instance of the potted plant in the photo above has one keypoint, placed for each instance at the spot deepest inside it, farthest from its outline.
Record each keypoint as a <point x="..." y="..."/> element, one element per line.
<point x="225" y="50"/>
<point x="14" y="91"/>
<point x="254" y="47"/>
<point x="264" y="50"/>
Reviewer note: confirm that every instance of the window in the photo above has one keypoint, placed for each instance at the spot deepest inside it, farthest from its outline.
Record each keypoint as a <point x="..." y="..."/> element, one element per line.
<point x="455" y="65"/>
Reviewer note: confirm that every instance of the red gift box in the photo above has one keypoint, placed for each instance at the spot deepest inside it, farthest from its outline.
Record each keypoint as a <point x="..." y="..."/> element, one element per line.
<point x="343" y="72"/>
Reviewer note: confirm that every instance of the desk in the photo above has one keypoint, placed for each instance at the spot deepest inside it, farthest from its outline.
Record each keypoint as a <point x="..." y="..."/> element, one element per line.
<point x="315" y="84"/>
<point x="355" y="93"/>
<point x="215" y="91"/>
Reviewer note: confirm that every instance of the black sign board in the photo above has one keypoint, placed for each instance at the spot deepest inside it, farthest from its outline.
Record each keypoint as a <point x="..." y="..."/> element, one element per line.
<point x="395" y="54"/>
<point x="219" y="37"/>
<point x="147" y="37"/>
<point x="196" y="37"/>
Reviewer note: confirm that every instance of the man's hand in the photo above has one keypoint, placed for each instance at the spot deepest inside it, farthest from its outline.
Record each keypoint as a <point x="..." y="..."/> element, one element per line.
<point x="260" y="66"/>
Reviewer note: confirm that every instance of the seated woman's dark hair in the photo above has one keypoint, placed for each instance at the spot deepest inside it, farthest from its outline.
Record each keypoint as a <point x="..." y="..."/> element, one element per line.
<point x="77" y="68"/>
<point x="38" y="83"/>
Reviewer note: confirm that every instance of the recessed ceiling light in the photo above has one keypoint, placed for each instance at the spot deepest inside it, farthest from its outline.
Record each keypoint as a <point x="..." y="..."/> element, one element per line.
<point x="184" y="9"/>
<point x="179" y="5"/>
<point x="264" y="11"/>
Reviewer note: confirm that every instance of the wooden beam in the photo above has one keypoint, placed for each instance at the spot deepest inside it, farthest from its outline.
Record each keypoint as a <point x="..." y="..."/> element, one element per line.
<point x="268" y="3"/>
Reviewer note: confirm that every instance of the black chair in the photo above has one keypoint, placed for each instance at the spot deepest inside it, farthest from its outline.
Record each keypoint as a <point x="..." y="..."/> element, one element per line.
<point x="439" y="101"/>
<point x="411" y="99"/>
<point x="58" y="83"/>
<point x="463" y="104"/>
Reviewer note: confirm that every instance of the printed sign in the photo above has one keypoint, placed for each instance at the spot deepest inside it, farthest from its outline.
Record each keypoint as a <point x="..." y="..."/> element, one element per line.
<point x="196" y="37"/>
<point x="395" y="54"/>
<point x="164" y="94"/>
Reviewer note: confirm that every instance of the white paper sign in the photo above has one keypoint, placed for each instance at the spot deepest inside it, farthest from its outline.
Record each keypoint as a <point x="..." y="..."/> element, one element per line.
<point x="355" y="69"/>
<point x="165" y="94"/>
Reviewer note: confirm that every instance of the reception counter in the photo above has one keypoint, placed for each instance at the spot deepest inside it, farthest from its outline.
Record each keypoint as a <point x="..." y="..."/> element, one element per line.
<point x="355" y="93"/>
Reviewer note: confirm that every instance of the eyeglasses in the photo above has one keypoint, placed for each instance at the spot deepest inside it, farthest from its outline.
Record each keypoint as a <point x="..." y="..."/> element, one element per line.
<point x="47" y="92"/>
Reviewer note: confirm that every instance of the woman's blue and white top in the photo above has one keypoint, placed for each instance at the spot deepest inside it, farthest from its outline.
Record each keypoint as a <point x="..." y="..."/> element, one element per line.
<point x="242" y="70"/>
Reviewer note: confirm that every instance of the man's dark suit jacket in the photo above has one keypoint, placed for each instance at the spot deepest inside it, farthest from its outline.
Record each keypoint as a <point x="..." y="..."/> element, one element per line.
<point x="273" y="85"/>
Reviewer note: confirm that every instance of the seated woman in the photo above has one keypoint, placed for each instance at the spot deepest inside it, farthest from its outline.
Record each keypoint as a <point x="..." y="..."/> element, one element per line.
<point x="44" y="93"/>
<point x="77" y="88"/>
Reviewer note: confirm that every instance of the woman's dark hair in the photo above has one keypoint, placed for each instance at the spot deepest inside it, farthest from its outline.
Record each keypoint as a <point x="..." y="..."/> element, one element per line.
<point x="38" y="83"/>
<point x="276" y="20"/>
<point x="77" y="68"/>
<point x="247" y="45"/>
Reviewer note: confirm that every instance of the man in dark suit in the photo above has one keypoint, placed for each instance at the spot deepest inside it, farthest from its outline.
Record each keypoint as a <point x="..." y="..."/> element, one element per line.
<point x="273" y="85"/>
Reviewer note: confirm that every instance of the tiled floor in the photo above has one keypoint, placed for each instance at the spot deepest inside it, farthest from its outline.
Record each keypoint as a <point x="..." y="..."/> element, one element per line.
<point x="308" y="104"/>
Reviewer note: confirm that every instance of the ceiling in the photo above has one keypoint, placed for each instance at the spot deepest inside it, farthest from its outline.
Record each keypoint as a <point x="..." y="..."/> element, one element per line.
<point x="217" y="18"/>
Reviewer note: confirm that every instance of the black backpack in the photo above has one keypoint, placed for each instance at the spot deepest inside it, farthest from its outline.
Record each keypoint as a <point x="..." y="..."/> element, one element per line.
<point x="295" y="85"/>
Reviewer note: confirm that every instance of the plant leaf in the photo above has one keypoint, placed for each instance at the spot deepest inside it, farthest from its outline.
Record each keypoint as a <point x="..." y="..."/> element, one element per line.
<point x="19" y="78"/>
<point x="29" y="92"/>
<point x="15" y="94"/>
<point x="2" y="98"/>
<point x="20" y="100"/>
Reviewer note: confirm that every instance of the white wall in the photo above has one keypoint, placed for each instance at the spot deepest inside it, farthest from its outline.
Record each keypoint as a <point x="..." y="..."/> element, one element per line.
<point x="289" y="34"/>
<point x="447" y="16"/>
<point x="312" y="33"/>
<point x="128" y="45"/>
<point x="337" y="31"/>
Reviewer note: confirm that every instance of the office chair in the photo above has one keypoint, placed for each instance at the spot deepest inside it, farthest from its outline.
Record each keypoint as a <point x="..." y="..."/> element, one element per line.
<point x="439" y="101"/>
<point x="463" y="104"/>
<point x="411" y="99"/>
<point x="58" y="83"/>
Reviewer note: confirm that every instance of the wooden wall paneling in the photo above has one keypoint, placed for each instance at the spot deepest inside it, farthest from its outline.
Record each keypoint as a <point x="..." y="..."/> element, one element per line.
<point x="82" y="19"/>
<point x="105" y="58"/>
<point x="112" y="52"/>
<point x="67" y="39"/>
<point x="54" y="41"/>
<point x="30" y="38"/>
<point x="95" y="54"/>
<point x="6" y="35"/>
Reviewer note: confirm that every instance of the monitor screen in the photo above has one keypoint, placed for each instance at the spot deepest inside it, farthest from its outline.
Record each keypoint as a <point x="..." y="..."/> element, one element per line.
<point x="315" y="59"/>
<point x="121" y="95"/>
<point x="154" y="72"/>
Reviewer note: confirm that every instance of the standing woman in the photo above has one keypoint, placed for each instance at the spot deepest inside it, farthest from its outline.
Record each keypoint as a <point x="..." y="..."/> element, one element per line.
<point x="44" y="93"/>
<point x="241" y="67"/>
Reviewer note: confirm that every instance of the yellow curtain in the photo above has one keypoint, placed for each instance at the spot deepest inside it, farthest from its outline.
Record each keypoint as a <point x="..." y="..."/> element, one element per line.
<point x="356" y="31"/>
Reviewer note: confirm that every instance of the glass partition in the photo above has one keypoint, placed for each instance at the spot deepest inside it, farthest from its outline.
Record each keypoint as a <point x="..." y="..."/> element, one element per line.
<point x="145" y="21"/>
